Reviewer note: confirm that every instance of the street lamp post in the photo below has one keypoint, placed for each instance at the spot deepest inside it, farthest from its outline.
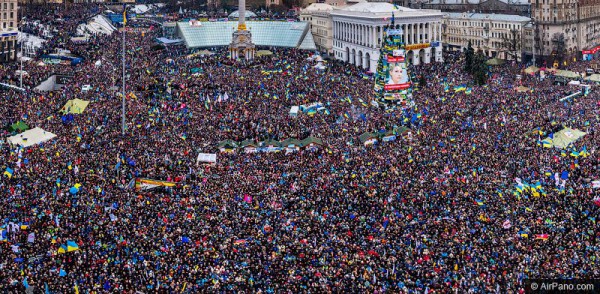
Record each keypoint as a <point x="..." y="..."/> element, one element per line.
<point x="123" y="90"/>
<point x="21" y="78"/>
<point x="22" y="41"/>
<point x="534" y="44"/>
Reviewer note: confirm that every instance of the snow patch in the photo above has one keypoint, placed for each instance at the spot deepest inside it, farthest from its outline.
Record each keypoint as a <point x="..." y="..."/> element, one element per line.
<point x="97" y="25"/>
<point x="31" y="40"/>
<point x="141" y="9"/>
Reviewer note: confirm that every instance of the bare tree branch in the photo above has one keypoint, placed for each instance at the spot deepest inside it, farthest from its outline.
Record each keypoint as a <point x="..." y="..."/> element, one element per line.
<point x="511" y="44"/>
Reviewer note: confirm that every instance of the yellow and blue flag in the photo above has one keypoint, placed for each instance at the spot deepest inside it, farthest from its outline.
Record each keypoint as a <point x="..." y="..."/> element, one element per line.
<point x="8" y="172"/>
<point x="62" y="249"/>
<point x="547" y="143"/>
<point x="460" y="88"/>
<point x="72" y="246"/>
<point x="124" y="15"/>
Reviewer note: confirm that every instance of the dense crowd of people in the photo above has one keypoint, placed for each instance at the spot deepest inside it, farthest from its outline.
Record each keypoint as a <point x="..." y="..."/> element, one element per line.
<point x="440" y="209"/>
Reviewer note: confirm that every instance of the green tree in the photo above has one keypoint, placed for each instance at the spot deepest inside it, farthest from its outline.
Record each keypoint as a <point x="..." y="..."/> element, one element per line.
<point x="479" y="69"/>
<point x="422" y="82"/>
<point x="469" y="54"/>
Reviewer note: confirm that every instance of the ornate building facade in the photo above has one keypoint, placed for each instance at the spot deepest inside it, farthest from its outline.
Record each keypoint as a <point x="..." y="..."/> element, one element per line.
<point x="358" y="32"/>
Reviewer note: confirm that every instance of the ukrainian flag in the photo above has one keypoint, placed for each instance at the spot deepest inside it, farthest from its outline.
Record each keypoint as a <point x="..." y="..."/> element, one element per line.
<point x="563" y="153"/>
<point x="519" y="188"/>
<point x="8" y="172"/>
<point x="574" y="153"/>
<point x="459" y="88"/>
<point x="468" y="90"/>
<point x="547" y="143"/>
<point x="124" y="15"/>
<point x="62" y="249"/>
<point x="72" y="246"/>
<point x="584" y="152"/>
<point x="479" y="202"/>
<point x="24" y="226"/>
<point x="538" y="185"/>
<point x="523" y="234"/>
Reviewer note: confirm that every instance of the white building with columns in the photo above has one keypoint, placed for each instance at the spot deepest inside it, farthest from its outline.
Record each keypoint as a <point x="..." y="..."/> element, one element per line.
<point x="358" y="32"/>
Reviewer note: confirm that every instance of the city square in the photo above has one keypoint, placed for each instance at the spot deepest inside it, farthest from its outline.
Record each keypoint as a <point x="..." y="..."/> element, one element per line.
<point x="355" y="147"/>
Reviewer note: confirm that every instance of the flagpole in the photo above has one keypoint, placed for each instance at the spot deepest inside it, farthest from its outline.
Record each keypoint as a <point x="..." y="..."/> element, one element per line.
<point x="123" y="89"/>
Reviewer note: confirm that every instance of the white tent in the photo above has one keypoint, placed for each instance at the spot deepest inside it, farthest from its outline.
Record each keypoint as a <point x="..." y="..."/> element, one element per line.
<point x="207" y="158"/>
<point x="294" y="111"/>
<point x="30" y="137"/>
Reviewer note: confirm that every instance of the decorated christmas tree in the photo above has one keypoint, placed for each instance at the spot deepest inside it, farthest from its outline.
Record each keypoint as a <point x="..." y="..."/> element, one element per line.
<point x="393" y="85"/>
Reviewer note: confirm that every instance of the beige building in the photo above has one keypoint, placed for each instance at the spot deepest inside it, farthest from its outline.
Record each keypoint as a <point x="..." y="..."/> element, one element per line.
<point x="9" y="30"/>
<point x="497" y="35"/>
<point x="565" y="28"/>
<point x="318" y="15"/>
<point x="272" y="2"/>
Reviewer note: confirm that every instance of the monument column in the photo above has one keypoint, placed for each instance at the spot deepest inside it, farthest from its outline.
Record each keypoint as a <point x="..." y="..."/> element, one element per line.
<point x="242" y="15"/>
<point x="241" y="42"/>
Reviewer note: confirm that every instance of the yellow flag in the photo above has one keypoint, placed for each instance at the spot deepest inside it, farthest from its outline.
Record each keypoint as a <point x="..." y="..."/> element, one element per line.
<point x="124" y="15"/>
